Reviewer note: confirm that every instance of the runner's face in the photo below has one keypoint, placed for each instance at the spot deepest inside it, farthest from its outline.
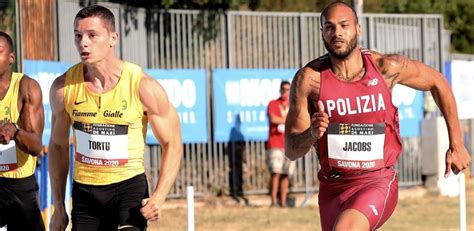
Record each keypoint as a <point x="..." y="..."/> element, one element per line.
<point x="340" y="31"/>
<point x="6" y="56"/>
<point x="93" y="40"/>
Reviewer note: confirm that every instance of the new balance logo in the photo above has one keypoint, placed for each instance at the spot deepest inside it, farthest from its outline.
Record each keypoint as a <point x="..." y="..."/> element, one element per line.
<point x="373" y="82"/>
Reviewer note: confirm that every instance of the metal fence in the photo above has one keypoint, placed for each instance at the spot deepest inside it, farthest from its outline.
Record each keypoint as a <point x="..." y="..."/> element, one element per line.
<point x="196" y="39"/>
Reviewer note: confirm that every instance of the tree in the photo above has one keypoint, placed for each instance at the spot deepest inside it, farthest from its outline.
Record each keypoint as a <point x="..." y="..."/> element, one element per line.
<point x="458" y="17"/>
<point x="8" y="23"/>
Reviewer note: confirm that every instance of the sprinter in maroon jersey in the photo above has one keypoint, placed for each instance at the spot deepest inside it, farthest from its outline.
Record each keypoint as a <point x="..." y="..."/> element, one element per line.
<point x="341" y="103"/>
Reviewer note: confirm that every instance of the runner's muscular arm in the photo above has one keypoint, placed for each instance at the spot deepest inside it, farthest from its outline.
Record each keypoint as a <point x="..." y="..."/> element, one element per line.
<point x="414" y="74"/>
<point x="298" y="138"/>
<point x="29" y="138"/>
<point x="30" y="121"/>
<point x="58" y="155"/>
<point x="166" y="127"/>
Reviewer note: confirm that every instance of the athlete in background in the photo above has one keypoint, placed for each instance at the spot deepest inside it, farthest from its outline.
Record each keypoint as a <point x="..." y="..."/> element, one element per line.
<point x="21" y="129"/>
<point x="281" y="168"/>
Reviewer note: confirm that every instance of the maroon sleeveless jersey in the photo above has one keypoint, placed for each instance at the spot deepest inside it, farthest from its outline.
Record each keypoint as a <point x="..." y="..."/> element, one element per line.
<point x="363" y="134"/>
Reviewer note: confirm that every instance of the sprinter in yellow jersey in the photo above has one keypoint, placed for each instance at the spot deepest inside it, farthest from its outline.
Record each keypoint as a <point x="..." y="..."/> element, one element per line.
<point x="108" y="103"/>
<point x="21" y="128"/>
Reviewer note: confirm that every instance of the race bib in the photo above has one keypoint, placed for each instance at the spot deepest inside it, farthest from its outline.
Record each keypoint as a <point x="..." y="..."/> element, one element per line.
<point x="101" y="144"/>
<point x="356" y="146"/>
<point x="8" y="159"/>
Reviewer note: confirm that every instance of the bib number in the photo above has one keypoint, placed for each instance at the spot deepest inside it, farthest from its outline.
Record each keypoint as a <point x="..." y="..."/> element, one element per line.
<point x="101" y="144"/>
<point x="356" y="146"/>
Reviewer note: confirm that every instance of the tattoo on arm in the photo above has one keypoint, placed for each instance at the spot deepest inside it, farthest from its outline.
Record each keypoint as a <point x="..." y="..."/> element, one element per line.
<point x="382" y="67"/>
<point x="301" y="143"/>
<point x="399" y="60"/>
<point x="299" y="146"/>
<point x="392" y="78"/>
<point x="296" y="84"/>
<point x="314" y="84"/>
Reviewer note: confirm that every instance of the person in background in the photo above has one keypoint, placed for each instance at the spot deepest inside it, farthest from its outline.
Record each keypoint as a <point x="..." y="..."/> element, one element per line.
<point x="281" y="168"/>
<point x="21" y="131"/>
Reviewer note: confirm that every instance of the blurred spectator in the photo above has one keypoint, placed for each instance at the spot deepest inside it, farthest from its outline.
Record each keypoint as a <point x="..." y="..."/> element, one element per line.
<point x="280" y="166"/>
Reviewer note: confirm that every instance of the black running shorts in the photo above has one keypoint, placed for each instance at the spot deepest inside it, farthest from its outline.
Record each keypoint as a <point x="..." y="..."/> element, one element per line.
<point x="107" y="207"/>
<point x="19" y="206"/>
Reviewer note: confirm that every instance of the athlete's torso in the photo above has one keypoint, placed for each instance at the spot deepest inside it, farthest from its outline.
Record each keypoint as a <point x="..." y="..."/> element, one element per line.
<point x="109" y="128"/>
<point x="363" y="134"/>
<point x="14" y="163"/>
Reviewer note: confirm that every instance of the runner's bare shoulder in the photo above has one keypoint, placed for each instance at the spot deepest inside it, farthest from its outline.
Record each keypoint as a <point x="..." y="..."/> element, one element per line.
<point x="29" y="86"/>
<point x="376" y="56"/>
<point x="57" y="90"/>
<point x="309" y="76"/>
<point x="318" y="64"/>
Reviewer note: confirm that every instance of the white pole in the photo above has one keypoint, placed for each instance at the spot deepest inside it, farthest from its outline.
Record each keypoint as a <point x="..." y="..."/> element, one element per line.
<point x="190" y="204"/>
<point x="308" y="178"/>
<point x="462" y="202"/>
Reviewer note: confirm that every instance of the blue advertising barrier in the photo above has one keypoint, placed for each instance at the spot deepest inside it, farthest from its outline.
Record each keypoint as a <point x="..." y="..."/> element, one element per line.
<point x="461" y="77"/>
<point x="241" y="98"/>
<point x="187" y="91"/>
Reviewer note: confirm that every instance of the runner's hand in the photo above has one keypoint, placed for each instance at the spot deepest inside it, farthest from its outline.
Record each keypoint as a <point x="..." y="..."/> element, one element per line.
<point x="151" y="209"/>
<point x="59" y="220"/>
<point x="319" y="122"/>
<point x="456" y="160"/>
<point x="7" y="131"/>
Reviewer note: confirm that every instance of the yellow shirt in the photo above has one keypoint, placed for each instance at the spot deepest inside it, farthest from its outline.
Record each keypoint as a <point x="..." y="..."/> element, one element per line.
<point x="14" y="163"/>
<point x="109" y="128"/>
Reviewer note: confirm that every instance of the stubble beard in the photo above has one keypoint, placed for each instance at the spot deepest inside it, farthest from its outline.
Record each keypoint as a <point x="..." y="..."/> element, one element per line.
<point x="341" y="54"/>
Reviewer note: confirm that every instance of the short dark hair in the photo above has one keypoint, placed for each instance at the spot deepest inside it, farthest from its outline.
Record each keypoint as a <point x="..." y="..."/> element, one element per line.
<point x="97" y="11"/>
<point x="332" y="5"/>
<point x="8" y="38"/>
<point x="284" y="82"/>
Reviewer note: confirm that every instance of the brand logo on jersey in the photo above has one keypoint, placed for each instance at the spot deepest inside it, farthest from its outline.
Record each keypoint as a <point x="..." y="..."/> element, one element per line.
<point x="124" y="105"/>
<point x="6" y="111"/>
<point x="373" y="82"/>
<point x="374" y="210"/>
<point x="77" y="103"/>
<point x="363" y="104"/>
